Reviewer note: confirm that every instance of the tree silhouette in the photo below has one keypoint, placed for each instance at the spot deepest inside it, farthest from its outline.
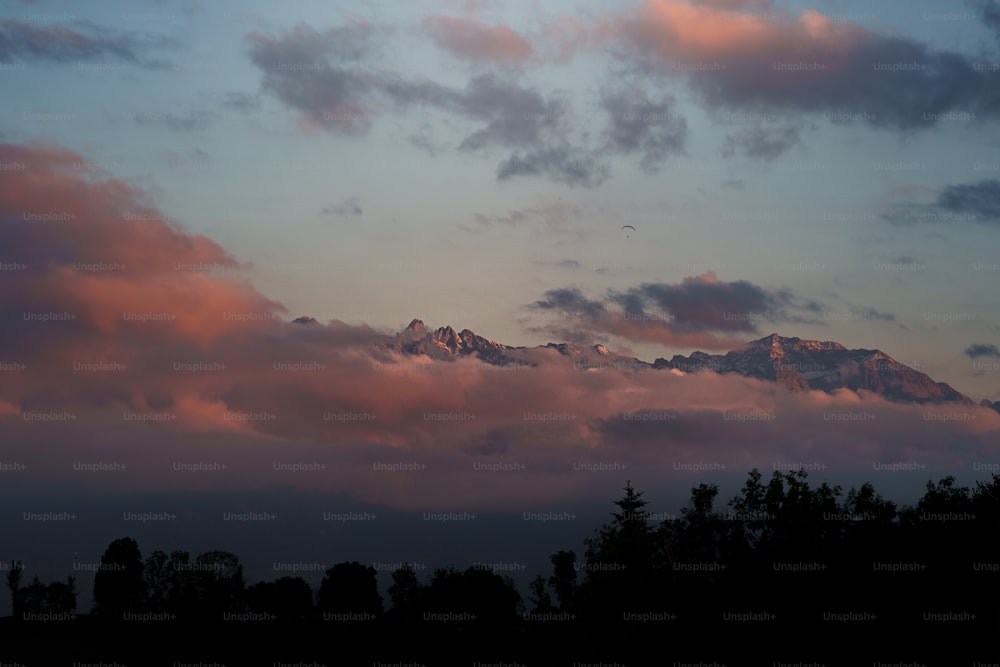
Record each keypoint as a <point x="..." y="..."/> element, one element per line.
<point x="14" y="584"/>
<point x="786" y="515"/>
<point x="985" y="504"/>
<point x="219" y="585"/>
<point x="869" y="519"/>
<point x="158" y="578"/>
<point x="626" y="567"/>
<point x="181" y="580"/>
<point x="35" y="596"/>
<point x="539" y="598"/>
<point x="290" y="599"/>
<point x="750" y="510"/>
<point x="630" y="564"/>
<point x="701" y="538"/>
<point x="700" y="534"/>
<point x="486" y="599"/>
<point x="628" y="540"/>
<point x="405" y="593"/>
<point x="868" y="506"/>
<point x="118" y="584"/>
<point x="563" y="578"/>
<point x="350" y="587"/>
<point x="61" y="596"/>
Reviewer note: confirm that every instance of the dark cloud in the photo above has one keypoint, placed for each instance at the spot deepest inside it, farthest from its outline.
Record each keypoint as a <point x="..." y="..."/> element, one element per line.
<point x="704" y="302"/>
<point x="319" y="74"/>
<point x="838" y="69"/>
<point x="631" y="302"/>
<point x="560" y="164"/>
<point x="780" y="62"/>
<point x="638" y="125"/>
<point x="762" y="143"/>
<point x="981" y="199"/>
<point x="989" y="14"/>
<point x="934" y="84"/>
<point x="571" y="302"/>
<point x="977" y="350"/>
<point x="689" y="313"/>
<point x="304" y="45"/>
<point x="349" y="207"/>
<point x="969" y="202"/>
<point x="62" y="43"/>
<point x="515" y="116"/>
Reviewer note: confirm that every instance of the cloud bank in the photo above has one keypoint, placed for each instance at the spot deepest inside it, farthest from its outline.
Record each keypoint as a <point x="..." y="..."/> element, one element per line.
<point x="128" y="340"/>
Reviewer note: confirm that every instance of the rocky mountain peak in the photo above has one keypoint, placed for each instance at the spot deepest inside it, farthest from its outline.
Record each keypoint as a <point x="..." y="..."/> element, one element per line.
<point x="797" y="364"/>
<point x="778" y="345"/>
<point x="448" y="338"/>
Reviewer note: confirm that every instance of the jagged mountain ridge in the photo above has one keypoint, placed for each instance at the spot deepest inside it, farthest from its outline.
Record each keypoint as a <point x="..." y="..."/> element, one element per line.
<point x="795" y="363"/>
<point x="808" y="364"/>
<point x="446" y="343"/>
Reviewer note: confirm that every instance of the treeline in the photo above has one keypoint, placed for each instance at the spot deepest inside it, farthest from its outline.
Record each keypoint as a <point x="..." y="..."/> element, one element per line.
<point x="780" y="555"/>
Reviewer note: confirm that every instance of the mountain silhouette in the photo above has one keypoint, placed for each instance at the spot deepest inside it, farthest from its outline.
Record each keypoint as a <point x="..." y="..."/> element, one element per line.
<point x="797" y="364"/>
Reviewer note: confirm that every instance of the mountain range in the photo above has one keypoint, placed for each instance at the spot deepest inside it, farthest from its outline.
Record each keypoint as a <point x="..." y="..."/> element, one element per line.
<point x="795" y="363"/>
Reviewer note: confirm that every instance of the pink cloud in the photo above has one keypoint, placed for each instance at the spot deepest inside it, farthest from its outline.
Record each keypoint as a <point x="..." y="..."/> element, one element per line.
<point x="248" y="393"/>
<point x="737" y="56"/>
<point x="548" y="419"/>
<point x="702" y="32"/>
<point x="735" y="4"/>
<point x="99" y="250"/>
<point x="469" y="37"/>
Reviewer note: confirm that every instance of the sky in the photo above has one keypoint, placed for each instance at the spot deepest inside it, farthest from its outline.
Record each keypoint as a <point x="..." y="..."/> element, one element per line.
<point x="180" y="179"/>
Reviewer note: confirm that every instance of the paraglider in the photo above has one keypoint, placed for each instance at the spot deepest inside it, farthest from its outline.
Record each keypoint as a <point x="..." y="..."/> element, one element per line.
<point x="624" y="227"/>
